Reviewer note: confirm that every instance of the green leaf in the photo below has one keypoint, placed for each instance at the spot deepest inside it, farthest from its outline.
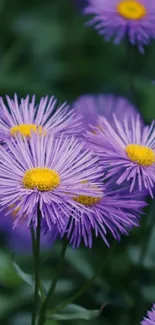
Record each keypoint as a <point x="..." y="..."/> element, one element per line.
<point x="8" y="276"/>
<point x="149" y="261"/>
<point x="22" y="318"/>
<point x="27" y="278"/>
<point x="24" y="276"/>
<point x="64" y="286"/>
<point x="134" y="253"/>
<point x="9" y="303"/>
<point x="80" y="262"/>
<point x="75" y="312"/>
<point x="145" y="91"/>
<point x="148" y="292"/>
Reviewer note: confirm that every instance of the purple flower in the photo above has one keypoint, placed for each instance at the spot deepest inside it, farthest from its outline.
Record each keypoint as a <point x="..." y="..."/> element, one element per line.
<point x="18" y="239"/>
<point x="128" y="153"/>
<point x="118" y="19"/>
<point x="150" y="319"/>
<point x="26" y="116"/>
<point x="112" y="212"/>
<point x="79" y="3"/>
<point x="92" y="106"/>
<point x="45" y="173"/>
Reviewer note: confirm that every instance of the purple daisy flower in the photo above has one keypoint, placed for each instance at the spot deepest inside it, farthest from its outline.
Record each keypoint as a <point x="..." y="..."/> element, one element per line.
<point x="112" y="212"/>
<point x="45" y="173"/>
<point x="150" y="319"/>
<point x="128" y="153"/>
<point x="92" y="106"/>
<point x="26" y="116"/>
<point x="120" y="18"/>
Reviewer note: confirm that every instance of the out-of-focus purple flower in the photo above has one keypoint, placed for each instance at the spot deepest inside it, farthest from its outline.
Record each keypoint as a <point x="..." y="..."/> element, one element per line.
<point x="127" y="153"/>
<point x="92" y="106"/>
<point x="25" y="117"/>
<point x="79" y="3"/>
<point x="45" y="173"/>
<point x="150" y="319"/>
<point x="114" y="211"/>
<point x="19" y="238"/>
<point x="134" y="19"/>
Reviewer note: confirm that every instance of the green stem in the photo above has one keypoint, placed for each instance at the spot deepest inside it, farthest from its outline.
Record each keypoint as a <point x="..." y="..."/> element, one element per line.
<point x="41" y="288"/>
<point x="84" y="287"/>
<point x="149" y="228"/>
<point x="36" y="258"/>
<point x="33" y="243"/>
<point x="42" y="317"/>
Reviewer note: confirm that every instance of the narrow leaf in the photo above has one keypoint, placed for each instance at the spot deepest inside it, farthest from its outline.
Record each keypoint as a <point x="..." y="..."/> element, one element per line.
<point x="24" y="276"/>
<point x="75" y="312"/>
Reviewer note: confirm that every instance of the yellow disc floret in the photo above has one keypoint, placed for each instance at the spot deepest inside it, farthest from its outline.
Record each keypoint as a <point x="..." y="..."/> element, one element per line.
<point x="141" y="155"/>
<point x="131" y="9"/>
<point x="27" y="129"/>
<point x="42" y="179"/>
<point x="87" y="200"/>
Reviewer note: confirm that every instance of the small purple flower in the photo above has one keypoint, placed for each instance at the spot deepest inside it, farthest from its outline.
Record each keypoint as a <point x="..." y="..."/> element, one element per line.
<point x="150" y="319"/>
<point x="45" y="173"/>
<point x="118" y="19"/>
<point x="25" y="117"/>
<point x="127" y="153"/>
<point x="92" y="106"/>
<point x="112" y="212"/>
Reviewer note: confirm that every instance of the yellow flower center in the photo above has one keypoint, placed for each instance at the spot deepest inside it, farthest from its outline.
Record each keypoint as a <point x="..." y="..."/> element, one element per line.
<point x="131" y="9"/>
<point x="87" y="200"/>
<point x="142" y="155"/>
<point x="27" y="129"/>
<point x="42" y="179"/>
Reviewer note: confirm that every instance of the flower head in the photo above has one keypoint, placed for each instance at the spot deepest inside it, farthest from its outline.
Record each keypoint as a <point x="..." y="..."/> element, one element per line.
<point x="26" y="116"/>
<point x="92" y="106"/>
<point x="127" y="153"/>
<point x="134" y="19"/>
<point x="111" y="212"/>
<point x="150" y="319"/>
<point x="45" y="173"/>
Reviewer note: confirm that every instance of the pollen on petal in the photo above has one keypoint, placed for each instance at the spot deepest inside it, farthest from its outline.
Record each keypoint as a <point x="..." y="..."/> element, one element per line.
<point x="27" y="129"/>
<point x="87" y="200"/>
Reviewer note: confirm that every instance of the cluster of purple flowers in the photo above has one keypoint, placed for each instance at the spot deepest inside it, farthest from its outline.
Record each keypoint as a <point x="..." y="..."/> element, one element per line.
<point x="115" y="131"/>
<point x="87" y="168"/>
<point x="119" y="19"/>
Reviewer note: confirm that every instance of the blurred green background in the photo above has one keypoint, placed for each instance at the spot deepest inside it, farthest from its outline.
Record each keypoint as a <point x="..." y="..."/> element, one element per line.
<point x="45" y="48"/>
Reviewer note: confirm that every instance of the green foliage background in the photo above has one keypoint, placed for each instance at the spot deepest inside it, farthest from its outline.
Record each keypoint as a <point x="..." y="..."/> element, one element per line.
<point x="45" y="48"/>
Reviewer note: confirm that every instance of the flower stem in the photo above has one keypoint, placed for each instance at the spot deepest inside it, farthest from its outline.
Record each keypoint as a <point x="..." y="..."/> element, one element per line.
<point x="86" y="285"/>
<point x="42" y="317"/>
<point x="149" y="228"/>
<point x="36" y="259"/>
